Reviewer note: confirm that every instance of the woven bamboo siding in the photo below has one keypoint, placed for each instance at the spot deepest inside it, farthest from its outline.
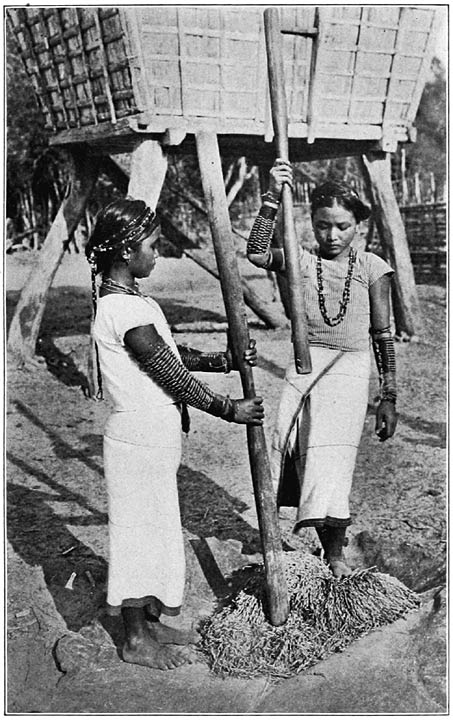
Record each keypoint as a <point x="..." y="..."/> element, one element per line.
<point x="369" y="63"/>
<point x="351" y="71"/>
<point x="77" y="60"/>
<point x="199" y="62"/>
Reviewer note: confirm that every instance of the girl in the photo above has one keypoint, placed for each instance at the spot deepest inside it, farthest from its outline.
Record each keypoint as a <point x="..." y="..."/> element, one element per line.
<point x="149" y="385"/>
<point x="321" y="415"/>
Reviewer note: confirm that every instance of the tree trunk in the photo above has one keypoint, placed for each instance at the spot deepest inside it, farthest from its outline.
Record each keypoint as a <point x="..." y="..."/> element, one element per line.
<point x="214" y="191"/>
<point x="376" y="167"/>
<point x="26" y="322"/>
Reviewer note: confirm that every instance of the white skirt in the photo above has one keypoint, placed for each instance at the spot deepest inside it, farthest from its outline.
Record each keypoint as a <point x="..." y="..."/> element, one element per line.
<point x="142" y="453"/>
<point x="319" y="425"/>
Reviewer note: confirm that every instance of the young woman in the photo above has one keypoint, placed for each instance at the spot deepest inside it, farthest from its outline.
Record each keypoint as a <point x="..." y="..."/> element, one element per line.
<point x="321" y="415"/>
<point x="150" y="386"/>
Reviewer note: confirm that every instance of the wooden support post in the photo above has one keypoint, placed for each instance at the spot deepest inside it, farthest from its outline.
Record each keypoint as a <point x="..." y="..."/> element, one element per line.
<point x="214" y="191"/>
<point x="148" y="169"/>
<point x="266" y="311"/>
<point x="406" y="308"/>
<point x="24" y="328"/>
<point x="280" y="122"/>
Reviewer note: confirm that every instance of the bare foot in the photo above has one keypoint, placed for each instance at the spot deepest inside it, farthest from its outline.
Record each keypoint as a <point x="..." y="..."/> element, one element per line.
<point x="166" y="635"/>
<point x="148" y="652"/>
<point x="339" y="567"/>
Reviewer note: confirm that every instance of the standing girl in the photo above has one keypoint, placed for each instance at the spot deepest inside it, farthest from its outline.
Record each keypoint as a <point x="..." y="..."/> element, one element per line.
<point x="150" y="386"/>
<point x="321" y="414"/>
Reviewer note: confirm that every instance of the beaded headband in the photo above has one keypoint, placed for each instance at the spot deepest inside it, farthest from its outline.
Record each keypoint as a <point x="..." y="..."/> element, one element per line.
<point x="131" y="232"/>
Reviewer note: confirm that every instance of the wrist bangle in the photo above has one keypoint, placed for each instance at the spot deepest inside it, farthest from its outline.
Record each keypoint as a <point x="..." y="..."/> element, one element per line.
<point x="269" y="199"/>
<point x="229" y="408"/>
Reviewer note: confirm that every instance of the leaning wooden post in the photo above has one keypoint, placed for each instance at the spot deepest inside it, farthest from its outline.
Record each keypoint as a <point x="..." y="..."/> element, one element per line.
<point x="214" y="191"/>
<point x="149" y="164"/>
<point x="24" y="328"/>
<point x="280" y="123"/>
<point x="406" y="308"/>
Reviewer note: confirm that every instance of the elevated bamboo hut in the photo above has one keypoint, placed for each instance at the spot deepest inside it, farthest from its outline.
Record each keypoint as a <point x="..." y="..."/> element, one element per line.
<point x="146" y="78"/>
<point x="107" y="75"/>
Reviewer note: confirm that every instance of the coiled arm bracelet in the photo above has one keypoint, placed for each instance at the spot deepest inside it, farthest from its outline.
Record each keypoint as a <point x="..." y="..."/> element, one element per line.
<point x="260" y="239"/>
<point x="165" y="368"/>
<point x="384" y="353"/>
<point x="197" y="361"/>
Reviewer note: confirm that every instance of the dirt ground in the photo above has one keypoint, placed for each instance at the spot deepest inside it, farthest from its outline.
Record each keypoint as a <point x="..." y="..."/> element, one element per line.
<point x="56" y="501"/>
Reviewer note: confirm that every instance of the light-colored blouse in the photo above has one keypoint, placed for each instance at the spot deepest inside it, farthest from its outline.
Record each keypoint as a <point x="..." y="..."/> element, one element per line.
<point x="353" y="332"/>
<point x="130" y="388"/>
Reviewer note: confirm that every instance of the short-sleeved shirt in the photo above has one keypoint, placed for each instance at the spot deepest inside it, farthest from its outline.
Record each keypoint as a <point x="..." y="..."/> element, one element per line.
<point x="129" y="387"/>
<point x="353" y="331"/>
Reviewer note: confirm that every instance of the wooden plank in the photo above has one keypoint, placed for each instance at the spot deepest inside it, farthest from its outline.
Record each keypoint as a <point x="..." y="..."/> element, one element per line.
<point x="214" y="190"/>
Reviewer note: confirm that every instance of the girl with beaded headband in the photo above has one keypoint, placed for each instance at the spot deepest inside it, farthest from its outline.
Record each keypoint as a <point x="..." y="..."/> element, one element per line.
<point x="149" y="381"/>
<point x="321" y="415"/>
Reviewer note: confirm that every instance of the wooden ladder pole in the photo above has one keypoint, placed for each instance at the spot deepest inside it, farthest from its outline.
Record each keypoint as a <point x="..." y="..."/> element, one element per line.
<point x="280" y="122"/>
<point x="219" y="220"/>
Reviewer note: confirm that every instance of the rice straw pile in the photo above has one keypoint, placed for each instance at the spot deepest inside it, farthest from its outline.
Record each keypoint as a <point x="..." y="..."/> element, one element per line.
<point x="325" y="616"/>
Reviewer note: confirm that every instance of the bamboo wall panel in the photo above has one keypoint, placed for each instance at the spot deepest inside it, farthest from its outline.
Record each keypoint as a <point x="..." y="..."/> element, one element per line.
<point x="346" y="67"/>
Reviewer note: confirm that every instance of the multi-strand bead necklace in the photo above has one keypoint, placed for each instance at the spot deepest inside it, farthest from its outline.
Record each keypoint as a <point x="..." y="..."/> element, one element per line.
<point x="116" y="287"/>
<point x="346" y="291"/>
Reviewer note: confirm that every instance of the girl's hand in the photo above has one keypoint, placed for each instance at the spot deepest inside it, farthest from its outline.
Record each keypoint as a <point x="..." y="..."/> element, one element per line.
<point x="386" y="420"/>
<point x="249" y="411"/>
<point x="281" y="172"/>
<point x="250" y="356"/>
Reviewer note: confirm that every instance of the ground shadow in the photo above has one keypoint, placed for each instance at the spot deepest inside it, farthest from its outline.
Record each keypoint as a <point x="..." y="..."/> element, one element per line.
<point x="68" y="311"/>
<point x="436" y="432"/>
<point x="41" y="538"/>
<point x="209" y="511"/>
<point x="61" y="365"/>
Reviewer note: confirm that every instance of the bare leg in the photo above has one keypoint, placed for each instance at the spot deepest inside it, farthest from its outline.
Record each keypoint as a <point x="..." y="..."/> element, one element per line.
<point x="166" y="635"/>
<point x="333" y="540"/>
<point x="141" y="648"/>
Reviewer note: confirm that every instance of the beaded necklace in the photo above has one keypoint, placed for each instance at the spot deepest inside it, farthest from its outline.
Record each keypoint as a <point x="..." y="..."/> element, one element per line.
<point x="116" y="287"/>
<point x="346" y="291"/>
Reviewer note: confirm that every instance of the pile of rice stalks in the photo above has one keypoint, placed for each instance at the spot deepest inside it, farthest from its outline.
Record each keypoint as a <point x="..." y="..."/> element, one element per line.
<point x="325" y="616"/>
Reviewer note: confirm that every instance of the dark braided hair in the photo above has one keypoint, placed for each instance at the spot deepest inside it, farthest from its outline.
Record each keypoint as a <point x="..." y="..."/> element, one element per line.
<point x="328" y="193"/>
<point x="122" y="224"/>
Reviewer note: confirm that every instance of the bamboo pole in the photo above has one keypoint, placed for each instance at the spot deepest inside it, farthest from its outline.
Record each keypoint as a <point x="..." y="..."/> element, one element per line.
<point x="280" y="122"/>
<point x="214" y="190"/>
